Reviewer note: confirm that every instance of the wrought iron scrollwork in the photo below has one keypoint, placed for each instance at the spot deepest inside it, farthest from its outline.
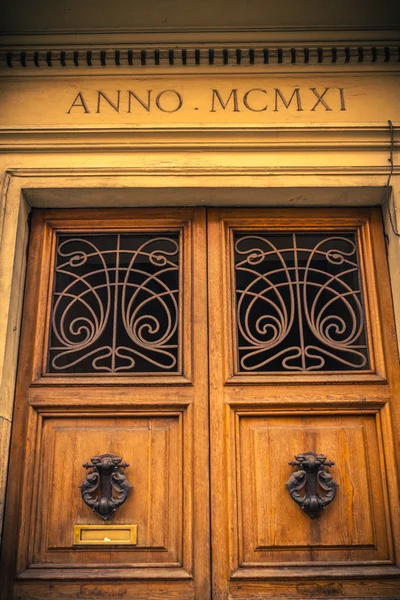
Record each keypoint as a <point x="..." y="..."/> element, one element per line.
<point x="299" y="303"/>
<point x="116" y="304"/>
<point x="314" y="480"/>
<point x="105" y="488"/>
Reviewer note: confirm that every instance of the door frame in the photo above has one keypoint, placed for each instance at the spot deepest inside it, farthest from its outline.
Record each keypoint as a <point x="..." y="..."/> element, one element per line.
<point x="73" y="188"/>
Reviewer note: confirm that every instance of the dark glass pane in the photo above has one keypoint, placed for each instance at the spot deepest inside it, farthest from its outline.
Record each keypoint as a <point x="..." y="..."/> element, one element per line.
<point x="299" y="303"/>
<point x="115" y="305"/>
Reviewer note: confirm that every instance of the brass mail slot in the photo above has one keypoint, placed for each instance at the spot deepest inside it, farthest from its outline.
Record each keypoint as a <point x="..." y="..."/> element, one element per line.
<point x="100" y="535"/>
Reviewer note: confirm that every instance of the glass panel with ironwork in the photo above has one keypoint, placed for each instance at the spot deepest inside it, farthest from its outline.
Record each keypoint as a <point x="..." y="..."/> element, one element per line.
<point x="115" y="305"/>
<point x="299" y="303"/>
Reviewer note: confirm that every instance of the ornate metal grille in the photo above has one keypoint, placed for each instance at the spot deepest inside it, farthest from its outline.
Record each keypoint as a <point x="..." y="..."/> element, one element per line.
<point x="299" y="303"/>
<point x="116" y="304"/>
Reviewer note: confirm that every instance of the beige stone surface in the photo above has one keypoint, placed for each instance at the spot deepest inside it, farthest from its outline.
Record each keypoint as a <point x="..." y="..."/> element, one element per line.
<point x="13" y="244"/>
<point x="225" y="100"/>
<point x="5" y="434"/>
<point x="392" y="227"/>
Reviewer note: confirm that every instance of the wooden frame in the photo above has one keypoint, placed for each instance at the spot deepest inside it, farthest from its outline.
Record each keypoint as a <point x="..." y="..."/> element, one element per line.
<point x="92" y="222"/>
<point x="356" y="221"/>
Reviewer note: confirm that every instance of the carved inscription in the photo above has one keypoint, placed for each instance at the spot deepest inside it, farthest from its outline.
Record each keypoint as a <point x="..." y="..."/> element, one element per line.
<point x="235" y="100"/>
<point x="260" y="100"/>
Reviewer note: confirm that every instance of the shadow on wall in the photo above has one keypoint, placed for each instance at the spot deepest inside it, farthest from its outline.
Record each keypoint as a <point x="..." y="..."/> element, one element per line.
<point x="75" y="15"/>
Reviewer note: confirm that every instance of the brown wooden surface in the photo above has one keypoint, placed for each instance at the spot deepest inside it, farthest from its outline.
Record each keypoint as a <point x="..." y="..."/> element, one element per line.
<point x="272" y="528"/>
<point x="260" y="421"/>
<point x="263" y="546"/>
<point x="60" y="422"/>
<point x="155" y="470"/>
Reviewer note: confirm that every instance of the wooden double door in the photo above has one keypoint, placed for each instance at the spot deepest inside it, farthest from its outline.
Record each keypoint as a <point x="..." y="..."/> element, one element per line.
<point x="173" y="363"/>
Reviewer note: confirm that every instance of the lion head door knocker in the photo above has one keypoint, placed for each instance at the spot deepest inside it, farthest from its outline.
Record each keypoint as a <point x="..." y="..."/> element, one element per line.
<point x="105" y="488"/>
<point x="313" y="479"/>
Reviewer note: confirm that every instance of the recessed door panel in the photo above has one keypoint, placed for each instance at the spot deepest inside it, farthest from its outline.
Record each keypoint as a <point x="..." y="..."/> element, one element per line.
<point x="274" y="528"/>
<point x="153" y="448"/>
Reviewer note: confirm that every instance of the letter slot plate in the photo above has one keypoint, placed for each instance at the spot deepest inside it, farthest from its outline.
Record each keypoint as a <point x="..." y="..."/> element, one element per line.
<point x="105" y="535"/>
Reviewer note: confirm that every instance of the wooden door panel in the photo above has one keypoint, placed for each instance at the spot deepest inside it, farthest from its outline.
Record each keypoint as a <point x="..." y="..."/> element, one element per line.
<point x="113" y="360"/>
<point x="302" y="359"/>
<point x="153" y="448"/>
<point x="272" y="526"/>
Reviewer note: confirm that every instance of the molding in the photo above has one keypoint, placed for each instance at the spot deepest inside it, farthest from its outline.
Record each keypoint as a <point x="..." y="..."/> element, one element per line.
<point x="166" y="56"/>
<point x="189" y="171"/>
<point x="197" y="186"/>
<point x="229" y="139"/>
<point x="197" y="47"/>
<point x="365" y="571"/>
<point x="76" y="572"/>
<point x="199" y="35"/>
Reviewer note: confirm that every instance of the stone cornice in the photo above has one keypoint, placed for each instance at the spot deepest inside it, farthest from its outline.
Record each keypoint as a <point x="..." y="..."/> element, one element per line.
<point x="264" y="48"/>
<point x="227" y="139"/>
<point x="240" y="56"/>
<point x="196" y="35"/>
